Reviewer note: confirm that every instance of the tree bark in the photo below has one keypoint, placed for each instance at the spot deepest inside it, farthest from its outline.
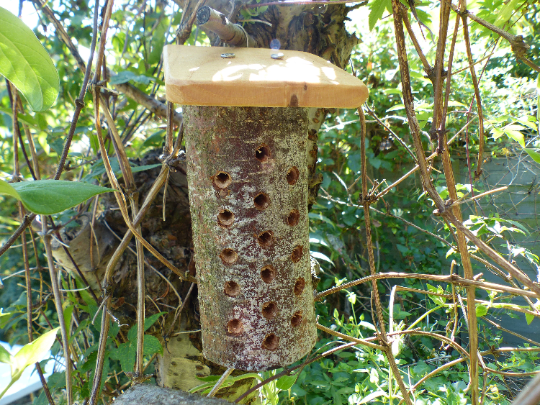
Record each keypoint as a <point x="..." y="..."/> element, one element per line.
<point x="248" y="182"/>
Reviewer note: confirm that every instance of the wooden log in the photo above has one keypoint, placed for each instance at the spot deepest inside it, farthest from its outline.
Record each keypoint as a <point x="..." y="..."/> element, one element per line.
<point x="248" y="182"/>
<point x="146" y="394"/>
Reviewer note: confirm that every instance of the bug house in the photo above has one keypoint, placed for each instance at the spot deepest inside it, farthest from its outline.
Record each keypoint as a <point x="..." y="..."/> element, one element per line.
<point x="246" y="129"/>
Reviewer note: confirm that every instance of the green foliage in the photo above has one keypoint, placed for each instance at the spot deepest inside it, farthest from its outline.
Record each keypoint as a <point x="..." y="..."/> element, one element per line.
<point x="126" y="353"/>
<point x="28" y="355"/>
<point x="25" y="63"/>
<point x="51" y="196"/>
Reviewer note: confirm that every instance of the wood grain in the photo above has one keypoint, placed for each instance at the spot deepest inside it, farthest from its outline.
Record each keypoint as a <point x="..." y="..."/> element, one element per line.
<point x="200" y="76"/>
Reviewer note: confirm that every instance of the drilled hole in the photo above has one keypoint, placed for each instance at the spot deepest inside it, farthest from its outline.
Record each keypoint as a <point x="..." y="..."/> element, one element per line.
<point x="229" y="256"/>
<point x="232" y="289"/>
<point x="293" y="218"/>
<point x="292" y="175"/>
<point x="268" y="273"/>
<point x="261" y="201"/>
<point x="299" y="286"/>
<point x="270" y="342"/>
<point x="191" y="267"/>
<point x="235" y="326"/>
<point x="222" y="180"/>
<point x="269" y="310"/>
<point x="263" y="153"/>
<point x="266" y="239"/>
<point x="225" y="218"/>
<point x="296" y="320"/>
<point x="296" y="254"/>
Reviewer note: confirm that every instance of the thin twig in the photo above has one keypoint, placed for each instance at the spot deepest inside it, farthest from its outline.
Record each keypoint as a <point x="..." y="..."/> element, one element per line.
<point x="451" y="279"/>
<point x="59" y="310"/>
<point x="220" y="382"/>
<point x="387" y="348"/>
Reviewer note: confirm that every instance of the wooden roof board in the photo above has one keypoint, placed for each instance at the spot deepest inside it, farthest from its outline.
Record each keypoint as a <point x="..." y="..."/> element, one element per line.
<point x="197" y="75"/>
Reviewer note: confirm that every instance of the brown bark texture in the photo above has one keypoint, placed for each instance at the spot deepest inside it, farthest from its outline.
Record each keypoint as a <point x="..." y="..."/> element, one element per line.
<point x="248" y="183"/>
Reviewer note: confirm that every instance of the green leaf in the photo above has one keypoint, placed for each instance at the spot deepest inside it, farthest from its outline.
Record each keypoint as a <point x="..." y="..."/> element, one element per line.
<point x="98" y="168"/>
<point x="533" y="154"/>
<point x="158" y="40"/>
<point x="51" y="196"/>
<point x="28" y="355"/>
<point x="377" y="10"/>
<point x="529" y="318"/>
<point x="151" y="345"/>
<point x="286" y="382"/>
<point x="7" y="189"/>
<point x="126" y="76"/>
<point x="506" y="12"/>
<point x="148" y="322"/>
<point x="26" y="64"/>
<point x="321" y="217"/>
<point x="321" y="256"/>
<point x="68" y="312"/>
<point x="5" y="357"/>
<point x="481" y="310"/>
<point x="513" y="132"/>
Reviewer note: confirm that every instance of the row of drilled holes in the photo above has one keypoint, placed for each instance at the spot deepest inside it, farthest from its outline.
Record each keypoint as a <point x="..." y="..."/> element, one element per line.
<point x="271" y="341"/>
<point x="229" y="256"/>
<point x="226" y="218"/>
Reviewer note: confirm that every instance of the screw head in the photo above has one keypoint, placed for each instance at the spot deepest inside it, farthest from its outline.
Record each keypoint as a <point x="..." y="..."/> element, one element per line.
<point x="228" y="55"/>
<point x="279" y="55"/>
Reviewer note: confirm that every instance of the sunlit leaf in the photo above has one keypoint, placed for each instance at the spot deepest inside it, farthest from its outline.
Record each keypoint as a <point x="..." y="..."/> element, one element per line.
<point x="28" y="355"/>
<point x="25" y="63"/>
<point x="533" y="154"/>
<point x="321" y="256"/>
<point x="5" y="357"/>
<point x="481" y="310"/>
<point x="377" y="10"/>
<point x="529" y="318"/>
<point x="513" y="132"/>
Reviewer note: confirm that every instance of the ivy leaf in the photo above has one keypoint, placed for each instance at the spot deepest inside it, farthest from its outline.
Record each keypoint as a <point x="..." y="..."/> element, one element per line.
<point x="26" y="64"/>
<point x="48" y="197"/>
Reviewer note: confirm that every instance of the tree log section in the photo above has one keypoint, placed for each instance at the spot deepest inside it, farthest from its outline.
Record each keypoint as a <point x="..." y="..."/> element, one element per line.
<point x="248" y="182"/>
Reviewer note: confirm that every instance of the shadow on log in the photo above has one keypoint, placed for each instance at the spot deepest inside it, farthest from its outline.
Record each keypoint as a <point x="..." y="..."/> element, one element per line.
<point x="145" y="394"/>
